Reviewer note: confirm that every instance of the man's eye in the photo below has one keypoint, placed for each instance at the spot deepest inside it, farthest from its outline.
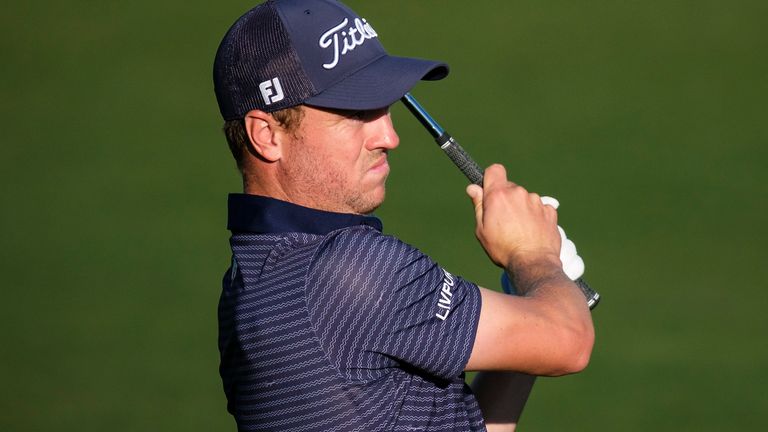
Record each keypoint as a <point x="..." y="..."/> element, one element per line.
<point x="368" y="115"/>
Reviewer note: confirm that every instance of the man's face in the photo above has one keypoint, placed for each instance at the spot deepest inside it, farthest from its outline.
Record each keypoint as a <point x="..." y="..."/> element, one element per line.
<point x="337" y="160"/>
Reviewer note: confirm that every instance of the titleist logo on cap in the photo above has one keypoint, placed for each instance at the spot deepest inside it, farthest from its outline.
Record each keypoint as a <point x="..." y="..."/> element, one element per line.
<point x="351" y="38"/>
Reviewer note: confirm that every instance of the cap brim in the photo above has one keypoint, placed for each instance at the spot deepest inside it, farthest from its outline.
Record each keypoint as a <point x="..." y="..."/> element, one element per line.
<point x="379" y="84"/>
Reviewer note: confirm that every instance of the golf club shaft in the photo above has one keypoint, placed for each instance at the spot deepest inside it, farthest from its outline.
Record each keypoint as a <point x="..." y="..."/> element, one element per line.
<point x="469" y="167"/>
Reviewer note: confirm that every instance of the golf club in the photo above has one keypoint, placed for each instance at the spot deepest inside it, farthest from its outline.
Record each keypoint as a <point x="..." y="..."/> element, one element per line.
<point x="470" y="168"/>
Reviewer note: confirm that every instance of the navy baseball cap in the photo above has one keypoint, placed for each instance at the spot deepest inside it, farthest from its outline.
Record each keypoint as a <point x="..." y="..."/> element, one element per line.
<point x="284" y="53"/>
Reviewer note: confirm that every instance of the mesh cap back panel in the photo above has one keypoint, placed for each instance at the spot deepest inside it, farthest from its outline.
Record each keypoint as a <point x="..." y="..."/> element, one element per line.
<point x="256" y="50"/>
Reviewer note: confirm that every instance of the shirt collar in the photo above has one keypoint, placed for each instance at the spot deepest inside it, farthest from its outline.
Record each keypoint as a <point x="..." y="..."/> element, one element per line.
<point x="259" y="214"/>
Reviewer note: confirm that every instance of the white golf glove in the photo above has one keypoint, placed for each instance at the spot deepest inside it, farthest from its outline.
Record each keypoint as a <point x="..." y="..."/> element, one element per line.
<point x="573" y="265"/>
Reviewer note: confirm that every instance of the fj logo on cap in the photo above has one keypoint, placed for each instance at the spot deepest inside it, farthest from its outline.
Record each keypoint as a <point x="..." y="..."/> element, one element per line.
<point x="352" y="37"/>
<point x="271" y="91"/>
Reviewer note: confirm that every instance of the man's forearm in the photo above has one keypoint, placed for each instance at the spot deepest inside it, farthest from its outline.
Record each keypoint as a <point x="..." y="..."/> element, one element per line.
<point x="502" y="397"/>
<point x="544" y="279"/>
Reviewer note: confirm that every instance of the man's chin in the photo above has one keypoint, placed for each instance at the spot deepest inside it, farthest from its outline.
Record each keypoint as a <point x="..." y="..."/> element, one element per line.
<point x="371" y="202"/>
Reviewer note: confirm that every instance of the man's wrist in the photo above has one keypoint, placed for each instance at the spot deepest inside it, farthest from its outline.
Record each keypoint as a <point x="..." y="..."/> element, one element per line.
<point x="528" y="274"/>
<point x="538" y="260"/>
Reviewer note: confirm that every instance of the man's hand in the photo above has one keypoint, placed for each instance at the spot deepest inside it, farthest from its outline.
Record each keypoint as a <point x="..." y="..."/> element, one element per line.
<point x="548" y="330"/>
<point x="573" y="264"/>
<point x="513" y="226"/>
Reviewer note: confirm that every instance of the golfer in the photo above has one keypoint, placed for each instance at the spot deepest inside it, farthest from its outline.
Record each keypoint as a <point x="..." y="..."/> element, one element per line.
<point x="326" y="322"/>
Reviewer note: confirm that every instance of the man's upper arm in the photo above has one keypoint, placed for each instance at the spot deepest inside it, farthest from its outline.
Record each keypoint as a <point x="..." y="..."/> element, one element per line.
<point x="376" y="302"/>
<point x="523" y="334"/>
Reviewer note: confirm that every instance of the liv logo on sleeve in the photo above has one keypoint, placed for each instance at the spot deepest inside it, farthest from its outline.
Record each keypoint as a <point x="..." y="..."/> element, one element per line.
<point x="446" y="293"/>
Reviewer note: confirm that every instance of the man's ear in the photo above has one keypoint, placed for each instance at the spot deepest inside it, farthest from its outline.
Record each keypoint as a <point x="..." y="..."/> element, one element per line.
<point x="263" y="134"/>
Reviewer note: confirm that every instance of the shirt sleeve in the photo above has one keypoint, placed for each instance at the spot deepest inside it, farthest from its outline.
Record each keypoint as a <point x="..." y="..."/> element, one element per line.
<point x="377" y="303"/>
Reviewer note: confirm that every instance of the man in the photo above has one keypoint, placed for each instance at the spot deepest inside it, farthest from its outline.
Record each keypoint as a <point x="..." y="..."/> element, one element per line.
<point x="326" y="323"/>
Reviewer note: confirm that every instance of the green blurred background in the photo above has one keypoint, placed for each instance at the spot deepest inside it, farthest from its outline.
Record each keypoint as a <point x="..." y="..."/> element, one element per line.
<point x="647" y="119"/>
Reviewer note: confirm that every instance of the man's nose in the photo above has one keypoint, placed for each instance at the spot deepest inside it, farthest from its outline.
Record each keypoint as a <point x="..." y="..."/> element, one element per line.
<point x="383" y="134"/>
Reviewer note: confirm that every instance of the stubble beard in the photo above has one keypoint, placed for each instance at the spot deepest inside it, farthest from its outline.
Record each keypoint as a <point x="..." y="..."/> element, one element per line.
<point x="319" y="182"/>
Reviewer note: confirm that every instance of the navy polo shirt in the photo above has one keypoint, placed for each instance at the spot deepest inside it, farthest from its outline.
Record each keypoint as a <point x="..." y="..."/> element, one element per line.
<point x="326" y="324"/>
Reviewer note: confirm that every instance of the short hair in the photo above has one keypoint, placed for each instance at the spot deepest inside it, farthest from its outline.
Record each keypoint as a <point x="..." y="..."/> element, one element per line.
<point x="237" y="137"/>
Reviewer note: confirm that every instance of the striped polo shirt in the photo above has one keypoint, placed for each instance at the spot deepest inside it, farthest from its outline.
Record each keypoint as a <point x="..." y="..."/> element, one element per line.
<point x="326" y="324"/>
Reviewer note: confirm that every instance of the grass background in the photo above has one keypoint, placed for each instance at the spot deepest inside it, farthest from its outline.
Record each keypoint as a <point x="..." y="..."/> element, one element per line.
<point x="647" y="119"/>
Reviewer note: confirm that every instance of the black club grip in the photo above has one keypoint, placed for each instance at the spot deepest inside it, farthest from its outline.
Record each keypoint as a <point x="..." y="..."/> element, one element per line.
<point x="461" y="158"/>
<point x="593" y="297"/>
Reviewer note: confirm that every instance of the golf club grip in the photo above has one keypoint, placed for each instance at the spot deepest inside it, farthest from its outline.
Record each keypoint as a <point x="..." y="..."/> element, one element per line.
<point x="461" y="158"/>
<point x="593" y="297"/>
<point x="472" y="170"/>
